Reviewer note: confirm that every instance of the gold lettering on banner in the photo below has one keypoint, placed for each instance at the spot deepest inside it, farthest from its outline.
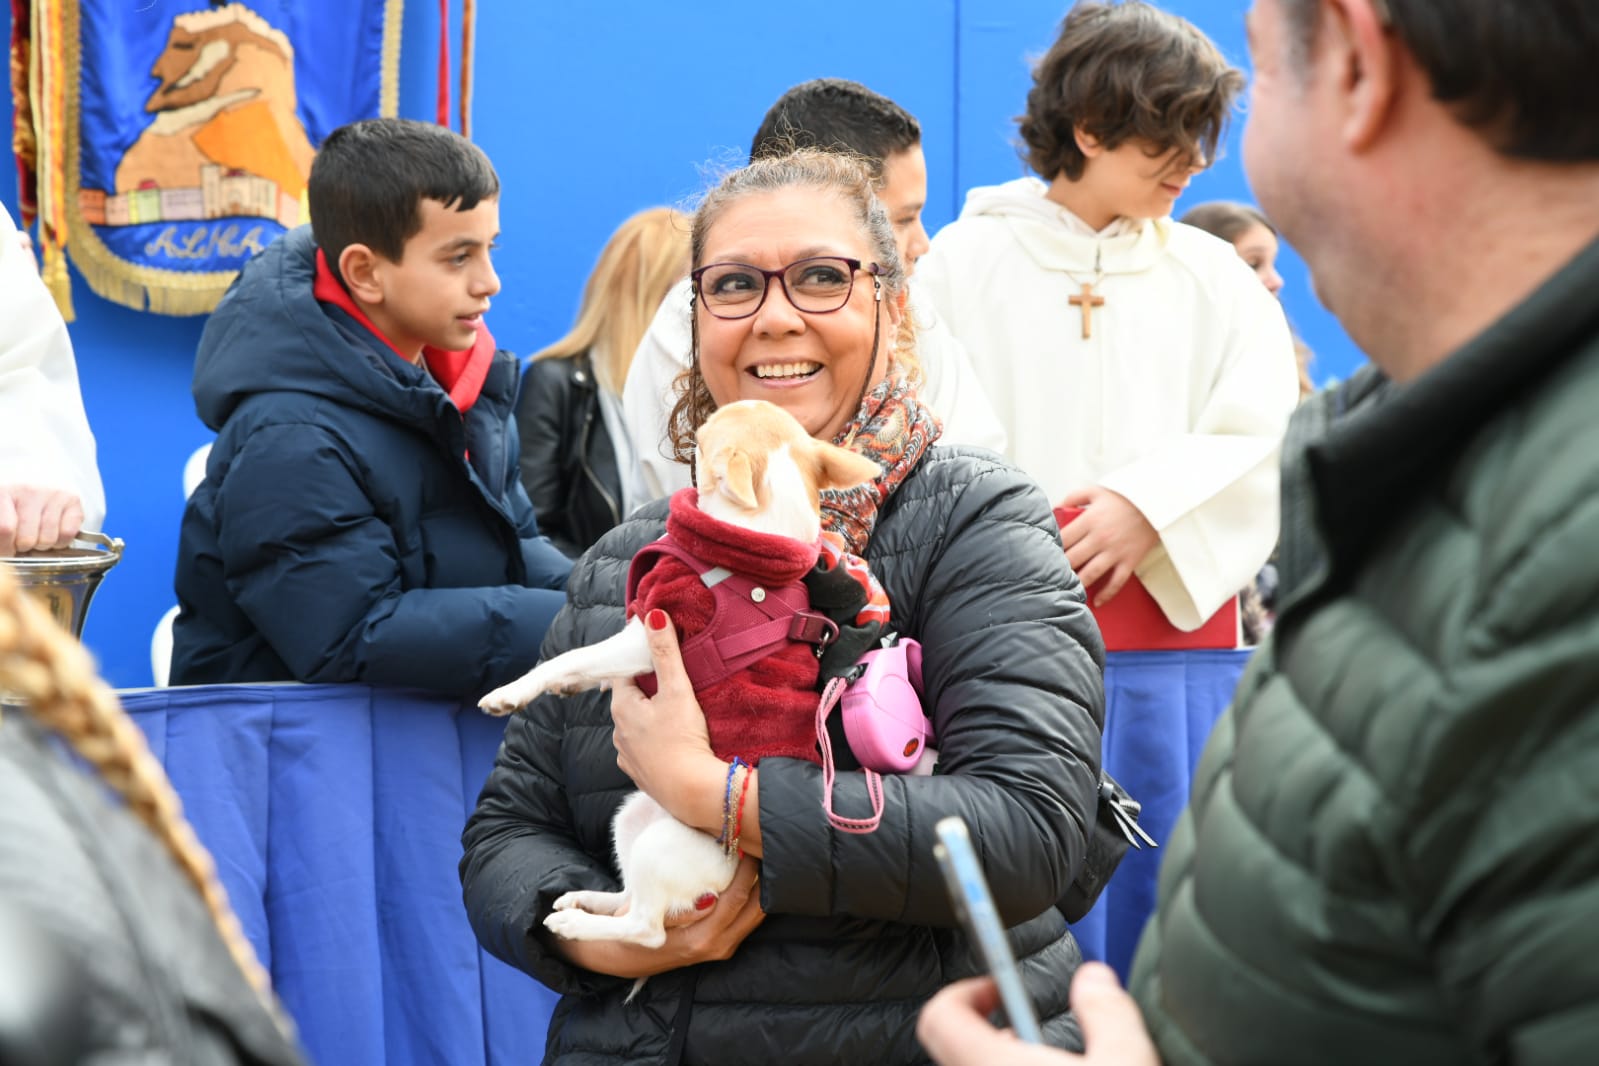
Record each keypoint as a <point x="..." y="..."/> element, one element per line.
<point x="206" y="242"/>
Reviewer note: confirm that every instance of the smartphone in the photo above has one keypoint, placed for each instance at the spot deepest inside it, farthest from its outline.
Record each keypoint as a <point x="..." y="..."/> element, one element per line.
<point x="968" y="890"/>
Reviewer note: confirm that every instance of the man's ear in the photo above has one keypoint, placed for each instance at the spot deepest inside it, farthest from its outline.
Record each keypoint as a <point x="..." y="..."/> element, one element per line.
<point x="1367" y="59"/>
<point x="1087" y="143"/>
<point x="360" y="267"/>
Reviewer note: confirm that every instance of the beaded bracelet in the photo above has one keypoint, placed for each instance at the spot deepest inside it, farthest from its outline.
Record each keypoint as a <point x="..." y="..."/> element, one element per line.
<point x="727" y="805"/>
<point x="738" y="816"/>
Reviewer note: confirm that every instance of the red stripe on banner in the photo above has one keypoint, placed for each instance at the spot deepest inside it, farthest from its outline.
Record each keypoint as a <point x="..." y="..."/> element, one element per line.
<point x="444" y="64"/>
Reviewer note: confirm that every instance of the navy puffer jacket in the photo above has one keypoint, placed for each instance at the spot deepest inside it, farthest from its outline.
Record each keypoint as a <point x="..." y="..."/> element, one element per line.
<point x="353" y="525"/>
<point x="860" y="932"/>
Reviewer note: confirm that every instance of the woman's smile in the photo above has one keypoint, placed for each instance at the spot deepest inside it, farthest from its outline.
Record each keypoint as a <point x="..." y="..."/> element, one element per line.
<point x="786" y="373"/>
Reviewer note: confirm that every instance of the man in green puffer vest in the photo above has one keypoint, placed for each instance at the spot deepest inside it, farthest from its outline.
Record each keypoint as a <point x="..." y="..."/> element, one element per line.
<point x="1389" y="854"/>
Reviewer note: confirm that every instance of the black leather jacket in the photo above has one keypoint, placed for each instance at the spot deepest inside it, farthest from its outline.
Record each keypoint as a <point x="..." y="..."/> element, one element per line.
<point x="568" y="462"/>
<point x="859" y="930"/>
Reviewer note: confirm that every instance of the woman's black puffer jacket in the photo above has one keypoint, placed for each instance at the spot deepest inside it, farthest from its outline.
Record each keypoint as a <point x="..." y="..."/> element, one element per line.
<point x="859" y="931"/>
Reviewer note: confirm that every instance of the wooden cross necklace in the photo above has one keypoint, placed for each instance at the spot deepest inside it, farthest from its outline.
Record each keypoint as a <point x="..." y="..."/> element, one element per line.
<point x="1088" y="299"/>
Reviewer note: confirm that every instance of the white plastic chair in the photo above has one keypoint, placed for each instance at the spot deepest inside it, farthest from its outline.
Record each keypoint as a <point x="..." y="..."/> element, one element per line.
<point x="161" y="639"/>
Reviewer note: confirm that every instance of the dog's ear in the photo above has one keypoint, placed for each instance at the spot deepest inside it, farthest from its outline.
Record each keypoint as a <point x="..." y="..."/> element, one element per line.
<point x="840" y="468"/>
<point x="735" y="478"/>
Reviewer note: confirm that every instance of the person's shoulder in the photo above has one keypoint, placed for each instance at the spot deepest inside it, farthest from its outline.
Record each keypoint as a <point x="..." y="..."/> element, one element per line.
<point x="964" y="472"/>
<point x="1206" y="258"/>
<point x="555" y="372"/>
<point x="600" y="573"/>
<point x="671" y="328"/>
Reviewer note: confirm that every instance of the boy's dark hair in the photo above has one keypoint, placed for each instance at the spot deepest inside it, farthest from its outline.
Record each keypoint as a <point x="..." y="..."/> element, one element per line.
<point x="369" y="179"/>
<point x="834" y="114"/>
<point x="1520" y="74"/>
<point x="1120" y="71"/>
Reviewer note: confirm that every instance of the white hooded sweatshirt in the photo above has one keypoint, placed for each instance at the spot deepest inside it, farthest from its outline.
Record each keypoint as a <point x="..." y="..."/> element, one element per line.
<point x="1177" y="399"/>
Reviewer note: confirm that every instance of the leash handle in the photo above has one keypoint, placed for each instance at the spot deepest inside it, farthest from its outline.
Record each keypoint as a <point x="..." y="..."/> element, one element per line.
<point x="874" y="780"/>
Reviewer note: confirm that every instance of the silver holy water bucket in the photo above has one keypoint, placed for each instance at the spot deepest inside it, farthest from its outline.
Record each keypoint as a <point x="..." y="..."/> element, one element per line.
<point x="65" y="579"/>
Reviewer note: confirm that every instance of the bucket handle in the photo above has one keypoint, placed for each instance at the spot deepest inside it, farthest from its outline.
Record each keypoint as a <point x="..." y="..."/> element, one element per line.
<point x="111" y="544"/>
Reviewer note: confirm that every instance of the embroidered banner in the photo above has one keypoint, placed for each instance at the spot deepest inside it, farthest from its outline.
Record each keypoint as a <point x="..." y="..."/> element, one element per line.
<point x="190" y="128"/>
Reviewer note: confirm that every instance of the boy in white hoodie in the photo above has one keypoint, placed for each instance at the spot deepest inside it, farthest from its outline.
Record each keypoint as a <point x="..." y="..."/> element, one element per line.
<point x="1142" y="372"/>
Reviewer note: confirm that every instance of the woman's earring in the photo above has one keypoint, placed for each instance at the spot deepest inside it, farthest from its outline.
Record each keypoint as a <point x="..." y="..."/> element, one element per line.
<point x="877" y="290"/>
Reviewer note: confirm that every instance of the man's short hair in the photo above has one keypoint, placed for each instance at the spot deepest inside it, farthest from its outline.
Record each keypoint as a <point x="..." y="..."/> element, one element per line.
<point x="1519" y="72"/>
<point x="369" y="179"/>
<point x="837" y="115"/>
<point x="1125" y="71"/>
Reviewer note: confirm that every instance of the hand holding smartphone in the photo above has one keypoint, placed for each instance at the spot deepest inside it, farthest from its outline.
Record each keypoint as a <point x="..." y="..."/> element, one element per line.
<point x="968" y="890"/>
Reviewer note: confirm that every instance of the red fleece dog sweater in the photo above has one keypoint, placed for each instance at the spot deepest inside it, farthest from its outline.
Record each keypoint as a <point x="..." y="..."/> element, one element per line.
<point x="769" y="706"/>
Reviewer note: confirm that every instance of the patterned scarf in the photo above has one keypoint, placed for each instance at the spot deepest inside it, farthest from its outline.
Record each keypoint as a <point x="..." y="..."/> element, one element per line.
<point x="892" y="428"/>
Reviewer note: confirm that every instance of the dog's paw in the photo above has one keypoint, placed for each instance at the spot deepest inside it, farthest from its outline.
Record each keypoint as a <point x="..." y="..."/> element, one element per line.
<point x="508" y="698"/>
<point x="570" y="901"/>
<point x="570" y="924"/>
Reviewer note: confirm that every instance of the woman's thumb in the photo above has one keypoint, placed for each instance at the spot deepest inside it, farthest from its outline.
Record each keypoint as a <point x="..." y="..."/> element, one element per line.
<point x="664" y="653"/>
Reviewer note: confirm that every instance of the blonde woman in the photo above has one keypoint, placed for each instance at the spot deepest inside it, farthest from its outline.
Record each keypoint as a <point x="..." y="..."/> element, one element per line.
<point x="575" y="449"/>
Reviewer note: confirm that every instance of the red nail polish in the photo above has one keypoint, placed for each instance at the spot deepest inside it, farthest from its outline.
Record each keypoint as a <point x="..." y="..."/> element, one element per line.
<point x="705" y="902"/>
<point x="656" y="619"/>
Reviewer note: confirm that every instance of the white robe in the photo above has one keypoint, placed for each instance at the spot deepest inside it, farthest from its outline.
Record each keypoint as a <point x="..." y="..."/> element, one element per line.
<point x="1178" y="400"/>
<point x="949" y="388"/>
<point x="44" y="433"/>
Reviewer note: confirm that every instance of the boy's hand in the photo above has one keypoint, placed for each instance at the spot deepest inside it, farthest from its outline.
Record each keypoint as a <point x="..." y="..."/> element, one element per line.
<point x="1107" y="541"/>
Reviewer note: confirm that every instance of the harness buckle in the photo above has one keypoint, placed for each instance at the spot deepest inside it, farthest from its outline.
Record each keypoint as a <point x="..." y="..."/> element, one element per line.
<point x="808" y="627"/>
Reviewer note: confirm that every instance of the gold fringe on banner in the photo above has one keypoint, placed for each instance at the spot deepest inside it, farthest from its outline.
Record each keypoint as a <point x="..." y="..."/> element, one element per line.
<point x="22" y="139"/>
<point x="389" y="95"/>
<point x="55" y="42"/>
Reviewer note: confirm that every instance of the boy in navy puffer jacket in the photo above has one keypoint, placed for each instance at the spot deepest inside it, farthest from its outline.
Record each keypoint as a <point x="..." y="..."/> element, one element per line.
<point x="362" y="518"/>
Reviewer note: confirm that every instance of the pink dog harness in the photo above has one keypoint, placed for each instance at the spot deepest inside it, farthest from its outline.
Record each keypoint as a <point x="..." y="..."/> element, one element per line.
<point x="750" y="620"/>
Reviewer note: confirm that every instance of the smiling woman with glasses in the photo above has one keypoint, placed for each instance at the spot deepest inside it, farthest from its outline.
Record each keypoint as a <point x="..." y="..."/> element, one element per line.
<point x="826" y="943"/>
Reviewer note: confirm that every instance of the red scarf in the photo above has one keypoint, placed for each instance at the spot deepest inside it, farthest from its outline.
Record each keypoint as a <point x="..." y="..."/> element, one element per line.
<point x="461" y="373"/>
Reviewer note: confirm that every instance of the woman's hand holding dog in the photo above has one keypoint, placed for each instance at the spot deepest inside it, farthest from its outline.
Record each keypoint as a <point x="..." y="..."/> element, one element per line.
<point x="710" y="935"/>
<point x="662" y="744"/>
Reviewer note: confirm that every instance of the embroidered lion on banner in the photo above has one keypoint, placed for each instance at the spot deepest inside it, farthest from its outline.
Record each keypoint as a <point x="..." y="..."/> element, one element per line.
<point x="225" y="106"/>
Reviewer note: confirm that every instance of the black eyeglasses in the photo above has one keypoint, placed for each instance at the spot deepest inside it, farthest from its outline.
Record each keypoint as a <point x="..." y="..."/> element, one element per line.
<point x="817" y="285"/>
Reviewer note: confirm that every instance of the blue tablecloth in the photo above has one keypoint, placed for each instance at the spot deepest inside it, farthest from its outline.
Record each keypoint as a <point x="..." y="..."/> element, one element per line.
<point x="1159" y="709"/>
<point x="335" y="814"/>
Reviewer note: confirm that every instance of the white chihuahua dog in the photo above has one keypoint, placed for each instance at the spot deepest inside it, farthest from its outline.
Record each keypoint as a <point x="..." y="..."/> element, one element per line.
<point x="757" y="469"/>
